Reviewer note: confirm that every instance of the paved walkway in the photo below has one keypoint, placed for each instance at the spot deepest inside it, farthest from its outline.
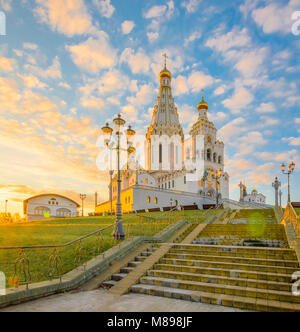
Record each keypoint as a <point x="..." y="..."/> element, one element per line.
<point x="101" y="301"/>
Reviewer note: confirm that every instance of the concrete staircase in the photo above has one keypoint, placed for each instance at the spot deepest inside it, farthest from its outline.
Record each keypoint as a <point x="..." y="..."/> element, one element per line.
<point x="251" y="278"/>
<point x="130" y="267"/>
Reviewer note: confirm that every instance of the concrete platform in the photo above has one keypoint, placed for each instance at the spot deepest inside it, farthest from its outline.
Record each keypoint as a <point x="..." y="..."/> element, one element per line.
<point x="101" y="301"/>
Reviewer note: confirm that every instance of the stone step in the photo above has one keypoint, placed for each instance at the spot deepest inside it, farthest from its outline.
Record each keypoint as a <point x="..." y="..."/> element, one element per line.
<point x="126" y="269"/>
<point x="118" y="276"/>
<point x="256" y="261"/>
<point x="133" y="264"/>
<point x="230" y="266"/>
<point x="146" y="254"/>
<point x="216" y="299"/>
<point x="285" y="254"/>
<point x="140" y="258"/>
<point x="232" y="281"/>
<point x="255" y="293"/>
<point x="109" y="283"/>
<point x="286" y="278"/>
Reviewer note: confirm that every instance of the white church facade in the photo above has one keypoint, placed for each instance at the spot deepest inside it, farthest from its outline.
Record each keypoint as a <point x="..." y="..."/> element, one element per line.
<point x="178" y="171"/>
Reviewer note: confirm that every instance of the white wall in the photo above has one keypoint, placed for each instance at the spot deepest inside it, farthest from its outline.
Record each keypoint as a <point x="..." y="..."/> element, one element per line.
<point x="43" y="201"/>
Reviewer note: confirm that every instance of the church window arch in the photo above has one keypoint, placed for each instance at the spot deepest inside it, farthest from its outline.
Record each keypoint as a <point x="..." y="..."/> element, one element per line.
<point x="215" y="158"/>
<point x="208" y="155"/>
<point x="160" y="153"/>
<point x="220" y="160"/>
<point x="41" y="210"/>
<point x="63" y="213"/>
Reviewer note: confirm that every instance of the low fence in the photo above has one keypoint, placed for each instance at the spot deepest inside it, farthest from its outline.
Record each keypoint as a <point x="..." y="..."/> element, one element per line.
<point x="24" y="265"/>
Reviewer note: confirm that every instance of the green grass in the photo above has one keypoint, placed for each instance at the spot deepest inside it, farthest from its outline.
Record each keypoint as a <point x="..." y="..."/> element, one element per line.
<point x="298" y="211"/>
<point x="267" y="214"/>
<point x="58" y="232"/>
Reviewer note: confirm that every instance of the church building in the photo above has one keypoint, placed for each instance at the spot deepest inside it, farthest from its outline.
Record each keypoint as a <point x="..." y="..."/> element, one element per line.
<point x="178" y="171"/>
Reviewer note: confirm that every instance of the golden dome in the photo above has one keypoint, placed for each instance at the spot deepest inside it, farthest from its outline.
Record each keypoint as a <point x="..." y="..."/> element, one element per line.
<point x="165" y="73"/>
<point x="203" y="105"/>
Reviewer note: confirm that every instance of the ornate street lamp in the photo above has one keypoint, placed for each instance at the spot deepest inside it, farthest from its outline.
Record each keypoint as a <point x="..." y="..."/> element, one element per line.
<point x="276" y="185"/>
<point x="217" y="175"/>
<point x="288" y="170"/>
<point x="107" y="131"/>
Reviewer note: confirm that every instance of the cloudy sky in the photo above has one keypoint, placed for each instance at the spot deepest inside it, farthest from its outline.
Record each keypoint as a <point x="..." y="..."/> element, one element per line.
<point x="68" y="66"/>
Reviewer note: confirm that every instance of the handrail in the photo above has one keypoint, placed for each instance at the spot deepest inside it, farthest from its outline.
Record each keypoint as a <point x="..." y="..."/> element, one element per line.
<point x="81" y="238"/>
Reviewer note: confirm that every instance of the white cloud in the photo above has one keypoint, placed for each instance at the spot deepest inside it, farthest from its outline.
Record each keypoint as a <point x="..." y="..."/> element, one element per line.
<point x="240" y="100"/>
<point x="6" y="5"/>
<point x="266" y="108"/>
<point x="30" y="46"/>
<point x="68" y="17"/>
<point x="92" y="102"/>
<point x="194" y="83"/>
<point x="191" y="5"/>
<point x="143" y="97"/>
<point x="233" y="39"/>
<point x="152" y="36"/>
<point x="138" y="62"/>
<point x="7" y="64"/>
<point x="192" y="37"/>
<point x="127" y="27"/>
<point x="292" y="141"/>
<point x="275" y="17"/>
<point x="234" y="128"/>
<point x="93" y="54"/>
<point x="106" y="9"/>
<point x="220" y="90"/>
<point x="187" y="114"/>
<point x="155" y="11"/>
<point x="267" y="121"/>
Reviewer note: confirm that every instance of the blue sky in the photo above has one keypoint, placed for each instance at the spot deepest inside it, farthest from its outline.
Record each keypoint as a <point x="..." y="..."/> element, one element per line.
<point x="68" y="66"/>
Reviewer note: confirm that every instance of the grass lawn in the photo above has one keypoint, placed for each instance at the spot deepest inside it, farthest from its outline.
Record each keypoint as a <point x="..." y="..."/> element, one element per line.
<point x="62" y="231"/>
<point x="298" y="211"/>
<point x="260" y="215"/>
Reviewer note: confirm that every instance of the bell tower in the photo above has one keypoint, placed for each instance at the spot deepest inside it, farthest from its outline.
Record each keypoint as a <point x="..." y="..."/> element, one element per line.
<point x="165" y="135"/>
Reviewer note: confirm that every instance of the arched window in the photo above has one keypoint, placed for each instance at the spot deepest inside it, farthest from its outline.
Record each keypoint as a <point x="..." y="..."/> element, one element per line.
<point x="220" y="160"/>
<point x="209" y="154"/>
<point x="63" y="213"/>
<point x="148" y="199"/>
<point x="160" y="153"/>
<point x="155" y="200"/>
<point x="215" y="157"/>
<point x="41" y="211"/>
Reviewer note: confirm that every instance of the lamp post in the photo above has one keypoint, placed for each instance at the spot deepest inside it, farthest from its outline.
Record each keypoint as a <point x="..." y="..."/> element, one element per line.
<point x="82" y="197"/>
<point x="119" y="123"/>
<point x="288" y="170"/>
<point x="217" y="176"/>
<point x="280" y="198"/>
<point x="276" y="185"/>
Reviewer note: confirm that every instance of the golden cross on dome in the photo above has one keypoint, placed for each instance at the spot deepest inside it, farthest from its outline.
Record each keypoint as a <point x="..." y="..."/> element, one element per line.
<point x="166" y="57"/>
<point x="202" y="94"/>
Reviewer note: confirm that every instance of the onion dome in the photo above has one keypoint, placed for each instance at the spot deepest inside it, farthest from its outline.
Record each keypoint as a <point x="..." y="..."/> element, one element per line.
<point x="165" y="73"/>
<point x="203" y="105"/>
